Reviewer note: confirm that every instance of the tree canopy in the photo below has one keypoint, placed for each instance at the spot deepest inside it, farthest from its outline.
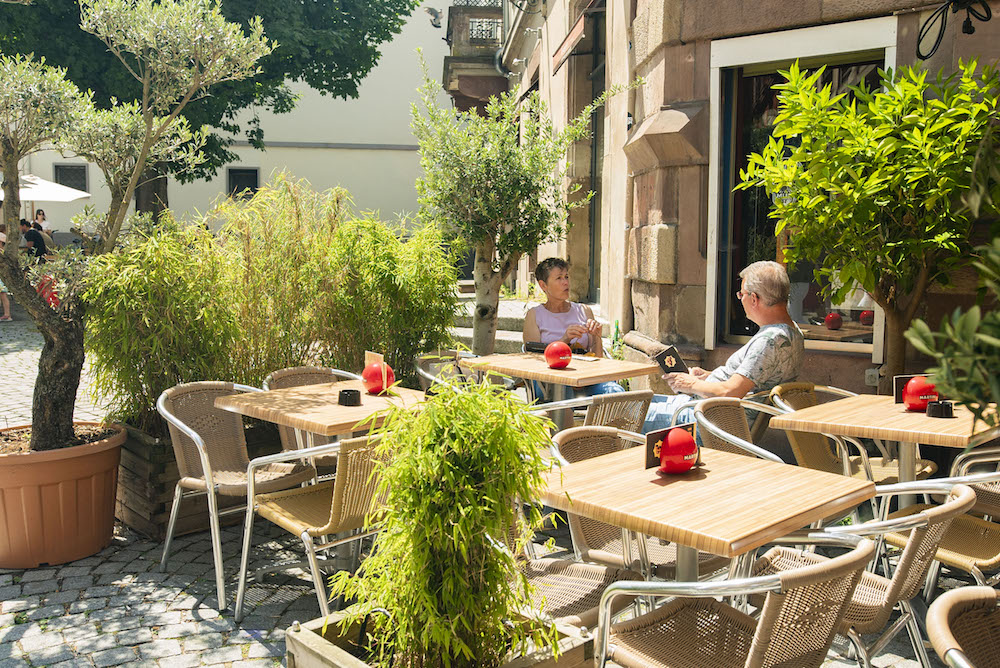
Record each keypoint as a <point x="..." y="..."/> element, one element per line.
<point x="330" y="45"/>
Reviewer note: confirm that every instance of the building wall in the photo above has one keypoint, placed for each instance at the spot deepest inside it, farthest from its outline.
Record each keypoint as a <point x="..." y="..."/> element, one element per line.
<point x="656" y="210"/>
<point x="363" y="144"/>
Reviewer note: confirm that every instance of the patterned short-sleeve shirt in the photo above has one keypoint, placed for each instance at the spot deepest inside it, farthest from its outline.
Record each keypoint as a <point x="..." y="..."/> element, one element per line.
<point x="773" y="356"/>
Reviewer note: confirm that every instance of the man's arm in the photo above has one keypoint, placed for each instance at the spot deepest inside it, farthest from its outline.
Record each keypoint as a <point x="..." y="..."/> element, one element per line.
<point x="736" y="386"/>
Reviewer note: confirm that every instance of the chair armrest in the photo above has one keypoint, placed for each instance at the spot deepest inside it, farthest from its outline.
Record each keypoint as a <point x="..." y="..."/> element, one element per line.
<point x="970" y="458"/>
<point x="285" y="456"/>
<point x="706" y="424"/>
<point x="842" y="442"/>
<point x="578" y="402"/>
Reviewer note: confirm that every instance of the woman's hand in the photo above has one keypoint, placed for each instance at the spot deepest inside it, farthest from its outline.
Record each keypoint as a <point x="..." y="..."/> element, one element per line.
<point x="593" y="329"/>
<point x="574" y="332"/>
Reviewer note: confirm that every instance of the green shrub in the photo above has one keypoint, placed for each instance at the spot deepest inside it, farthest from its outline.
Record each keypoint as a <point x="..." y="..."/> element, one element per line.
<point x="452" y="471"/>
<point x="375" y="290"/>
<point x="155" y="319"/>
<point x="270" y="242"/>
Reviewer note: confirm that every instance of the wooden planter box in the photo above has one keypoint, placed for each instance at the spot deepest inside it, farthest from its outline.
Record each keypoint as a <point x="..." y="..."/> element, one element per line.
<point x="308" y="647"/>
<point x="148" y="473"/>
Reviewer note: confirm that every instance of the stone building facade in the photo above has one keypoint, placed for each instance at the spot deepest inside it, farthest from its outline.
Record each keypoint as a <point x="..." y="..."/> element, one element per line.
<point x="660" y="247"/>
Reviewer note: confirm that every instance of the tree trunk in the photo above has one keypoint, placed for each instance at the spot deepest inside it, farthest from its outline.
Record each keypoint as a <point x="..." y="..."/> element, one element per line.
<point x="484" y="316"/>
<point x="151" y="193"/>
<point x="895" y="350"/>
<point x="59" y="369"/>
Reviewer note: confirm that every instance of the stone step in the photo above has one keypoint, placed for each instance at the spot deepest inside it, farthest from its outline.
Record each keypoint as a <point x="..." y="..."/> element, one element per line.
<point x="506" y="341"/>
<point x="511" y="313"/>
<point x="465" y="287"/>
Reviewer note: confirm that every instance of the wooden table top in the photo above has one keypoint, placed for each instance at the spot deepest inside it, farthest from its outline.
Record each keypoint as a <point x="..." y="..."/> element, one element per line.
<point x="849" y="330"/>
<point x="579" y="373"/>
<point x="875" y="416"/>
<point x="314" y="408"/>
<point x="729" y="506"/>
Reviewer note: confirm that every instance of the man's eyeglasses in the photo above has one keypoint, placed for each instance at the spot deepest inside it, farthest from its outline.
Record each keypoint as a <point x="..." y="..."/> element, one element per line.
<point x="740" y="294"/>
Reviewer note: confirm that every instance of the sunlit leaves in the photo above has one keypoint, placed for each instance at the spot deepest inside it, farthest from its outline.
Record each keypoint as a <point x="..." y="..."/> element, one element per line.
<point x="454" y="469"/>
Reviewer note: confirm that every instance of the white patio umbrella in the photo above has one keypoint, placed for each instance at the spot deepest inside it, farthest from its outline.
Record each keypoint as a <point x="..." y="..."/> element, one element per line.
<point x="34" y="189"/>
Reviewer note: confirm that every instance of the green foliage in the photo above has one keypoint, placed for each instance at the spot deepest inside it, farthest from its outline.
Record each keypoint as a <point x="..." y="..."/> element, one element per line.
<point x="453" y="472"/>
<point x="376" y="290"/>
<point x="872" y="193"/>
<point x="154" y="319"/>
<point x="312" y="284"/>
<point x="329" y="46"/>
<point x="967" y="349"/>
<point x="270" y="241"/>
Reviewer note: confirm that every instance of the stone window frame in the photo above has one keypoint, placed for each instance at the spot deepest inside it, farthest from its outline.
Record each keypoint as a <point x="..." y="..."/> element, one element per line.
<point x="831" y="40"/>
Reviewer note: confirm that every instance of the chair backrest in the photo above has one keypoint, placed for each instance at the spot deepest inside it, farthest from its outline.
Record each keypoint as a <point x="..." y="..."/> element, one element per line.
<point x="354" y="487"/>
<point x="797" y="625"/>
<point x="727" y="414"/>
<point x="577" y="444"/>
<point x="622" y="410"/>
<point x="922" y="544"/>
<point x="297" y="376"/>
<point x="221" y="431"/>
<point x="965" y="622"/>
<point x="441" y="366"/>
<point x="811" y="450"/>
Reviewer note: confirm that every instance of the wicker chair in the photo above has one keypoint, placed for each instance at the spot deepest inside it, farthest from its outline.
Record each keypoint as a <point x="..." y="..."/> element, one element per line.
<point x="621" y="410"/>
<point x="812" y="450"/>
<point x="603" y="543"/>
<point x="964" y="627"/>
<point x="211" y="453"/>
<point x="799" y="617"/>
<point x="441" y="368"/>
<point x="297" y="376"/>
<point x="876" y="596"/>
<point x="722" y="425"/>
<point x="317" y="511"/>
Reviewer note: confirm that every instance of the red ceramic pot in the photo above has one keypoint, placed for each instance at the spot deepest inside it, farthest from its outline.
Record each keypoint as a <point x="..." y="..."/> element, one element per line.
<point x="558" y="355"/>
<point x="833" y="320"/>
<point x="372" y="377"/>
<point x="867" y="318"/>
<point x="679" y="451"/>
<point x="917" y="393"/>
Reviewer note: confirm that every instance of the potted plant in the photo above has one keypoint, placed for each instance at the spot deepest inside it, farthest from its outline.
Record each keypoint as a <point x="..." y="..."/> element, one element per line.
<point x="869" y="185"/>
<point x="195" y="48"/>
<point x="966" y="350"/>
<point x="438" y="588"/>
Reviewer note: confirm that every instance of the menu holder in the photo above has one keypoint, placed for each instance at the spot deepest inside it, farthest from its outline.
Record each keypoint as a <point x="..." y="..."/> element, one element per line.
<point x="670" y="360"/>
<point x="655" y="440"/>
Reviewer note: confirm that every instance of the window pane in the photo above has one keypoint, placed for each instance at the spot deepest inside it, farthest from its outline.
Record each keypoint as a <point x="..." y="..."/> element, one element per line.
<point x="72" y="176"/>
<point x="243" y="182"/>
<point x="752" y="235"/>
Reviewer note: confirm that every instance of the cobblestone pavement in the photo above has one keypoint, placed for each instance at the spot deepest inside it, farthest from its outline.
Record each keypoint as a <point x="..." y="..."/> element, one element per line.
<point x="116" y="607"/>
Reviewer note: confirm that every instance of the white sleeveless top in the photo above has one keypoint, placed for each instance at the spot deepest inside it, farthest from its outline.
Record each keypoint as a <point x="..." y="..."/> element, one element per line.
<point x="552" y="326"/>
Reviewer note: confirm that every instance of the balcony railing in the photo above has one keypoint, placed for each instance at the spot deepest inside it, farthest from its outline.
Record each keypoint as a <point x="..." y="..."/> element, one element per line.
<point x="485" y="30"/>
<point x="477" y="3"/>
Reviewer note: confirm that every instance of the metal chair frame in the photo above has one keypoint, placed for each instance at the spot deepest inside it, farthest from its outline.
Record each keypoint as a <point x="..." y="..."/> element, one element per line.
<point x="311" y="548"/>
<point x="706" y="424"/>
<point x="981" y="601"/>
<point x="213" y="503"/>
<point x="726" y="588"/>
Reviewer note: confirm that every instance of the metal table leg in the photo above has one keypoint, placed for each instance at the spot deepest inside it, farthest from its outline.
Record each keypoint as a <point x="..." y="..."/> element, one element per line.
<point x="563" y="418"/>
<point x="687" y="564"/>
<point x="907" y="467"/>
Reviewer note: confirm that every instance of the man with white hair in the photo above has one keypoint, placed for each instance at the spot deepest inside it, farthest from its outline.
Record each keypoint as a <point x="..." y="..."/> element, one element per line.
<point x="773" y="356"/>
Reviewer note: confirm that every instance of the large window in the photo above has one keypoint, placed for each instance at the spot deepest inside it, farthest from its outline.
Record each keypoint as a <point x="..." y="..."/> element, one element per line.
<point x="71" y="176"/>
<point x="744" y="71"/>
<point x="751" y="112"/>
<point x="242" y="182"/>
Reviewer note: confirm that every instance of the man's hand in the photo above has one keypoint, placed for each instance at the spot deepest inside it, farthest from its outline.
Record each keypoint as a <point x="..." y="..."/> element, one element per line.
<point x="699" y="373"/>
<point x="681" y="383"/>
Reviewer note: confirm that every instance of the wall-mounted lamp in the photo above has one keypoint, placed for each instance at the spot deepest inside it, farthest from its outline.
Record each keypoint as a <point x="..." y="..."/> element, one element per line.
<point x="938" y="20"/>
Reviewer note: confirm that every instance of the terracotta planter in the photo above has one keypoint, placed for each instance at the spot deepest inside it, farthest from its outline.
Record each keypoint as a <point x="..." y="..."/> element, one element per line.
<point x="59" y="505"/>
<point x="308" y="646"/>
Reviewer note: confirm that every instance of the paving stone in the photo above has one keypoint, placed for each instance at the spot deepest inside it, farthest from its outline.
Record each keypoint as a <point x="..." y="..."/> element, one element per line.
<point x="14" y="663"/>
<point x="41" y="641"/>
<point x="222" y="655"/>
<point x="44" y="612"/>
<point x="258" y="651"/>
<point x="96" y="643"/>
<point x="256" y="663"/>
<point x="203" y="641"/>
<point x="88" y="604"/>
<point x="10" y="591"/>
<point x="38" y="575"/>
<point x="160" y="648"/>
<point x="162" y="618"/>
<point x="73" y="571"/>
<point x="81" y="582"/>
<point x="39" y="587"/>
<point x="61" y="597"/>
<point x="133" y="637"/>
<point x="178" y="630"/>
<point x="68" y="621"/>
<point x="80" y="632"/>
<point x="9" y="649"/>
<point x="19" y="604"/>
<point x="113" y="657"/>
<point x="51" y="655"/>
<point x="100" y="591"/>
<point x="6" y="620"/>
<point x="120" y="624"/>
<point x="181" y="661"/>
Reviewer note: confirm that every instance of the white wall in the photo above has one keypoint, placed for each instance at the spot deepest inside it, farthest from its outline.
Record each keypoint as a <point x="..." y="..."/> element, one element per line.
<point x="364" y="144"/>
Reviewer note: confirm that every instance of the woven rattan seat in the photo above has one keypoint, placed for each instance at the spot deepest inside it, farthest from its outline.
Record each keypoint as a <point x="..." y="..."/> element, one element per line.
<point x="813" y="450"/>
<point x="322" y="510"/>
<point x="971" y="544"/>
<point x="798" y="620"/>
<point x="964" y="624"/>
<point x="987" y="499"/>
<point x="722" y="425"/>
<point x="875" y="597"/>
<point x="600" y="542"/>
<point x="621" y="410"/>
<point x="569" y="592"/>
<point x="211" y="452"/>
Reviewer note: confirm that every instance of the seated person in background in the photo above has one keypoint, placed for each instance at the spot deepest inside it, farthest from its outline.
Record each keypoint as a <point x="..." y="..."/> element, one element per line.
<point x="559" y="319"/>
<point x="50" y="246"/>
<point x="772" y="356"/>
<point x="33" y="240"/>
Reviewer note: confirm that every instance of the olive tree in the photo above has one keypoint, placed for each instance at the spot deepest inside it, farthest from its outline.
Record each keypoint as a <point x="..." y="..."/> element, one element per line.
<point x="498" y="181"/>
<point x="176" y="50"/>
<point x="870" y="184"/>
